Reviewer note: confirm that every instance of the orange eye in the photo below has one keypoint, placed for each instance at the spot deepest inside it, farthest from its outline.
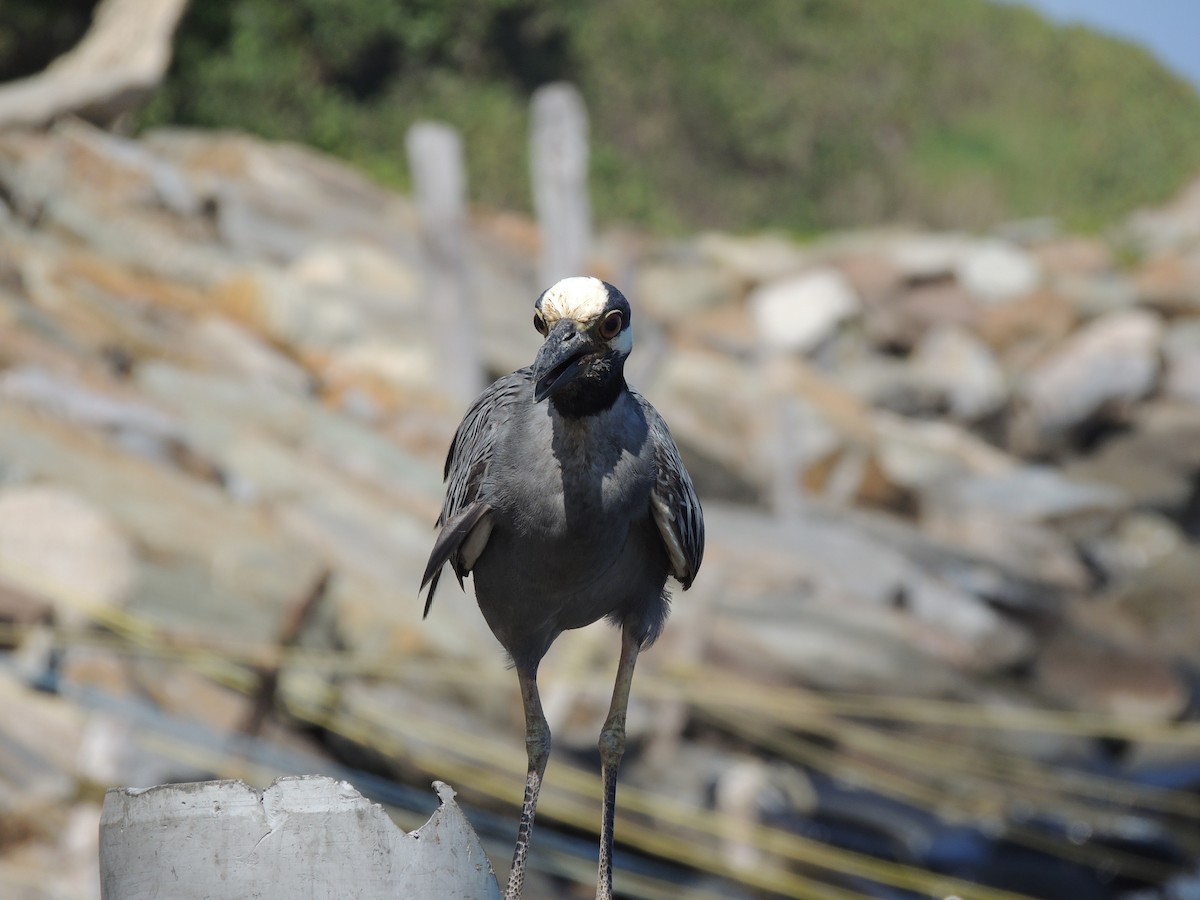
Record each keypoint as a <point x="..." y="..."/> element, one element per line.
<point x="610" y="325"/>
<point x="539" y="323"/>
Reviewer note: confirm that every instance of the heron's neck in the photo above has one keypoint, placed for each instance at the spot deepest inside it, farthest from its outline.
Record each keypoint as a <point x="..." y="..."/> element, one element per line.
<point x="590" y="396"/>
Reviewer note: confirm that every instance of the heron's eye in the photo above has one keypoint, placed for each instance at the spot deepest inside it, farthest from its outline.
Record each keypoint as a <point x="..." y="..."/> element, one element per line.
<point x="610" y="325"/>
<point x="539" y="323"/>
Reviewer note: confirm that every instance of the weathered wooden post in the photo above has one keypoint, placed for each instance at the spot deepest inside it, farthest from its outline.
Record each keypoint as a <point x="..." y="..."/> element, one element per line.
<point x="558" y="156"/>
<point x="435" y="161"/>
<point x="308" y="836"/>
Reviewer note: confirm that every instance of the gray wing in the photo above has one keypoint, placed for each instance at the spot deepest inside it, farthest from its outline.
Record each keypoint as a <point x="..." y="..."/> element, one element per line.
<point x="464" y="521"/>
<point x="673" y="502"/>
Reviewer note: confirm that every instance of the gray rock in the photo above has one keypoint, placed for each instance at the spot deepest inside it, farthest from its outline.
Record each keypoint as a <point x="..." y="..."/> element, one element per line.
<point x="926" y="257"/>
<point x="234" y="350"/>
<point x="677" y="285"/>
<point x="1033" y="494"/>
<point x="960" y="368"/>
<point x="1154" y="462"/>
<point x="39" y="768"/>
<point x="829" y="567"/>
<point x="1111" y="361"/>
<point x="754" y="260"/>
<point x="168" y="515"/>
<point x="1181" y="353"/>
<point x="1023" y="519"/>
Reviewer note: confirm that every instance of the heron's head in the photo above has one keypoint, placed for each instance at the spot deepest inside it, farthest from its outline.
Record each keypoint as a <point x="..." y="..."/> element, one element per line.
<point x="588" y="331"/>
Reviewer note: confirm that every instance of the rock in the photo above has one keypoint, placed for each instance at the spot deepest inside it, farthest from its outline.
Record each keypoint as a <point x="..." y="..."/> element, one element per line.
<point x="1181" y="354"/>
<point x="365" y="272"/>
<point x="714" y="404"/>
<point x="676" y="286"/>
<point x="129" y="419"/>
<point x="1073" y="256"/>
<point x="996" y="271"/>
<point x="41" y="737"/>
<point x="1175" y="225"/>
<point x="1137" y="541"/>
<point x="921" y="456"/>
<point x="1043" y="555"/>
<point x="1157" y="607"/>
<point x="890" y="383"/>
<point x="1170" y="282"/>
<point x="234" y="350"/>
<point x="1093" y="675"/>
<point x="844" y="573"/>
<point x="308" y="318"/>
<point x="1108" y="363"/>
<point x="56" y="545"/>
<point x="276" y="202"/>
<point x="59" y="865"/>
<point x="926" y="257"/>
<point x="754" y="260"/>
<point x="1153" y="463"/>
<point x="798" y="314"/>
<point x="1023" y="332"/>
<point x="960" y="368"/>
<point x="898" y="323"/>
<point x="1033" y="494"/>
<point x="874" y="277"/>
<point x="1092" y="296"/>
<point x="1022" y="519"/>
<point x="253" y="572"/>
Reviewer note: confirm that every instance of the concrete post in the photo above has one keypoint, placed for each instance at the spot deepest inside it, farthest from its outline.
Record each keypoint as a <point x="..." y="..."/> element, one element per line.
<point x="558" y="156"/>
<point x="435" y="161"/>
<point x="308" y="836"/>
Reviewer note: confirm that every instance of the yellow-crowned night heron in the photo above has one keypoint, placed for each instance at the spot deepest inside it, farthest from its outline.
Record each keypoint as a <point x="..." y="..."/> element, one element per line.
<point x="568" y="511"/>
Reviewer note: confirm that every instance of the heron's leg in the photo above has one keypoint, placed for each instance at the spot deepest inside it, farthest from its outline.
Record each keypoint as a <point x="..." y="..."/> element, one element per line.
<point x="537" y="746"/>
<point x="612" y="747"/>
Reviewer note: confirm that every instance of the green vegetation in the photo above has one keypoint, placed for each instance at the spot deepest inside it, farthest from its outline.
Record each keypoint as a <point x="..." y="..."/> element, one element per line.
<point x="801" y="114"/>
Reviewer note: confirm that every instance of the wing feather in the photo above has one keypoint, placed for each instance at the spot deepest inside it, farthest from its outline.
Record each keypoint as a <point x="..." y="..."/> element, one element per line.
<point x="467" y="462"/>
<point x="673" y="502"/>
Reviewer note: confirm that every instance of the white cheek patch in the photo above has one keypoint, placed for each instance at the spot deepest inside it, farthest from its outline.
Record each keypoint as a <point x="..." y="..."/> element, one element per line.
<point x="581" y="298"/>
<point x="623" y="342"/>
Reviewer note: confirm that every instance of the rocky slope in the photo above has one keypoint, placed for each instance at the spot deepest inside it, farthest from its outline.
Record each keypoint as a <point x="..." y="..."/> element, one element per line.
<point x="952" y="485"/>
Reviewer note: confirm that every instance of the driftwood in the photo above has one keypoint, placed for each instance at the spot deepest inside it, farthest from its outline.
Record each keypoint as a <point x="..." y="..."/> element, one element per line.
<point x="121" y="59"/>
<point x="307" y="836"/>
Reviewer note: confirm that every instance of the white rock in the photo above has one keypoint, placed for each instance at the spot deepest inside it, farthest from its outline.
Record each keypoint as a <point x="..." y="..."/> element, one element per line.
<point x="996" y="271"/>
<point x="1111" y="360"/>
<point x="961" y="368"/>
<point x="799" y="313"/>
